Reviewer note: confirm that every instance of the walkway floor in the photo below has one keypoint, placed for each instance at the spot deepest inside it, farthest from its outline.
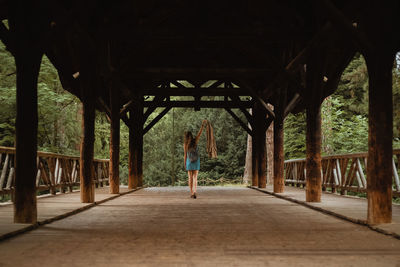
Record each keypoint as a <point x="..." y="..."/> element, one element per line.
<point x="225" y="226"/>
<point x="51" y="208"/>
<point x="348" y="207"/>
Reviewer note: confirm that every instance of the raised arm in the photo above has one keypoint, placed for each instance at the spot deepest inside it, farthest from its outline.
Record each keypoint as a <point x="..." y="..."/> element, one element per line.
<point x="200" y="131"/>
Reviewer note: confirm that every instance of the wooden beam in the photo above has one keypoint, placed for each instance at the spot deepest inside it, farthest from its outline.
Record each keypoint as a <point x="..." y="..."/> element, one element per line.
<point x="106" y="108"/>
<point x="380" y="135"/>
<point x="208" y="73"/>
<point x="87" y="149"/>
<point x="246" y="113"/>
<point x="337" y="17"/>
<point x="27" y="59"/>
<point x="126" y="120"/>
<point x="316" y="68"/>
<point x="196" y="91"/>
<point x="292" y="104"/>
<point x="241" y="123"/>
<point x="287" y="72"/>
<point x="136" y="144"/>
<point x="313" y="150"/>
<point x="156" y="119"/>
<point x="125" y="107"/>
<point x="155" y="103"/>
<point x="5" y="37"/>
<point x="203" y="104"/>
<point x="259" y="98"/>
<point x="279" y="156"/>
<point x="114" y="141"/>
<point x="259" y="147"/>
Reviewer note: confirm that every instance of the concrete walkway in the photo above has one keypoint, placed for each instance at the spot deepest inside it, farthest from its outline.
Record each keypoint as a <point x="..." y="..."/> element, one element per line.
<point x="225" y="226"/>
<point x="347" y="207"/>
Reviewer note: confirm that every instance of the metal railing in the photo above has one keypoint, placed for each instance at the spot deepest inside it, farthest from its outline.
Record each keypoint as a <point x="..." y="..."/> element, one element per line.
<point x="54" y="171"/>
<point x="346" y="172"/>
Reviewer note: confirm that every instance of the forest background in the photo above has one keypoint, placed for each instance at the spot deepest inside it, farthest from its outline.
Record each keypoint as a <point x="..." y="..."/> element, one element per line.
<point x="344" y="127"/>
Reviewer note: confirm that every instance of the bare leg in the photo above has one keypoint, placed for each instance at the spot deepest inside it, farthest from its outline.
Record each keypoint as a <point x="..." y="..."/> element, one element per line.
<point x="190" y="181"/>
<point x="195" y="173"/>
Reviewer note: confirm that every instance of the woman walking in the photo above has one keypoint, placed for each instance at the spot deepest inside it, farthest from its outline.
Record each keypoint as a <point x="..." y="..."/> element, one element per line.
<point x="192" y="158"/>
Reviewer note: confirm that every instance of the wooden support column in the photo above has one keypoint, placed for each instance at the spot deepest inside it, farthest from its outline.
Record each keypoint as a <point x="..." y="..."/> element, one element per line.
<point x="380" y="135"/>
<point x="279" y="157"/>
<point x="87" y="148"/>
<point x="313" y="150"/>
<point x="315" y="86"/>
<point x="114" y="141"/>
<point x="259" y="147"/>
<point x="136" y="119"/>
<point x="27" y="59"/>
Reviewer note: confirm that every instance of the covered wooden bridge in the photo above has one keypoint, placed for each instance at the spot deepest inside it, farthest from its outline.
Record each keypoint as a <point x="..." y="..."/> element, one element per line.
<point x="126" y="58"/>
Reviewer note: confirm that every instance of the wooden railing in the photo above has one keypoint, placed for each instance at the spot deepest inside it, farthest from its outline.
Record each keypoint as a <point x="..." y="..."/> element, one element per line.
<point x="54" y="171"/>
<point x="341" y="173"/>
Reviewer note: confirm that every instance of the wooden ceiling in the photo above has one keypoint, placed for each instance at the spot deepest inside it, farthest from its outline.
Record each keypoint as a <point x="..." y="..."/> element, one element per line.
<point x="136" y="46"/>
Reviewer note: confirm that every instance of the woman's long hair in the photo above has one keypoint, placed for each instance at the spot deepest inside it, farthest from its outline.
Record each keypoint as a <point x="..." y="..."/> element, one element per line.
<point x="189" y="140"/>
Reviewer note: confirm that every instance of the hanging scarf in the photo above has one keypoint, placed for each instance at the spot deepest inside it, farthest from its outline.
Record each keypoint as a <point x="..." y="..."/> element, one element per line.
<point x="211" y="145"/>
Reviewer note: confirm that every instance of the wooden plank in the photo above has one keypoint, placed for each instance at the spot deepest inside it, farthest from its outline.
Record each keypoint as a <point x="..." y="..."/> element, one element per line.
<point x="11" y="177"/>
<point x="38" y="175"/>
<point x="361" y="173"/>
<point x="396" y="176"/>
<point x="45" y="178"/>
<point x="4" y="171"/>
<point x="351" y="174"/>
<point x="338" y="172"/>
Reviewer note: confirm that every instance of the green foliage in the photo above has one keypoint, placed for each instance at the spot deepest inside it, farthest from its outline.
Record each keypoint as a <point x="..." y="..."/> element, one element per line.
<point x="344" y="116"/>
<point x="163" y="148"/>
<point x="59" y="123"/>
<point x="340" y="133"/>
<point x="295" y="136"/>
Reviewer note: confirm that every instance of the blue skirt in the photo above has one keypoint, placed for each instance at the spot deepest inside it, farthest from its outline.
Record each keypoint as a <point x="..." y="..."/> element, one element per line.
<point x="192" y="166"/>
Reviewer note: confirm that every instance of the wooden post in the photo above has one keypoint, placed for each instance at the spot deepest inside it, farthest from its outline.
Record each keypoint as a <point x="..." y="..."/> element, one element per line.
<point x="279" y="157"/>
<point x="87" y="149"/>
<point x="259" y="147"/>
<point x="316" y="68"/>
<point x="380" y="135"/>
<point x="114" y="141"/>
<point x="27" y="59"/>
<point x="136" y="144"/>
<point x="313" y="148"/>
